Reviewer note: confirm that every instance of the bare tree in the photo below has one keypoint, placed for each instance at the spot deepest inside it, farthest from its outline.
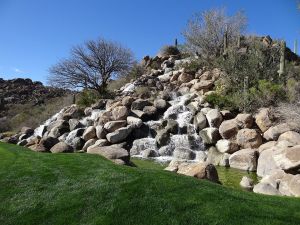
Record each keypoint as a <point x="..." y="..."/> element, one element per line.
<point x="91" y="66"/>
<point x="205" y="31"/>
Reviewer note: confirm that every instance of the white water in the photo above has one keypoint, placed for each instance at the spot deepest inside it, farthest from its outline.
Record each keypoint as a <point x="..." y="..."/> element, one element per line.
<point x="89" y="120"/>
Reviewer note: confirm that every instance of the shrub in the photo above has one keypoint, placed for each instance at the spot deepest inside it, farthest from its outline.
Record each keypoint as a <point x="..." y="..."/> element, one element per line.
<point x="289" y="113"/>
<point x="169" y="50"/>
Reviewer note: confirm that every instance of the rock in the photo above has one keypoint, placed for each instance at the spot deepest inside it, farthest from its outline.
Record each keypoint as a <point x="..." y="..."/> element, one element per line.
<point x="204" y="84"/>
<point x="247" y="183"/>
<point x="165" y="151"/>
<point x="100" y="104"/>
<point x="88" y="144"/>
<point x="263" y="120"/>
<point x="201" y="156"/>
<point x="88" y="111"/>
<point x="225" y="160"/>
<point x="288" y="158"/>
<point x="112" y="152"/>
<point x="61" y="147"/>
<point x="140" y="145"/>
<point x="120" y="113"/>
<point x="227" y="146"/>
<point x="73" y="111"/>
<point x="266" y="146"/>
<point x="162" y="137"/>
<point x="200" y="121"/>
<point x="245" y="159"/>
<point x="74" y="124"/>
<point x="228" y="129"/>
<point x="214" y="118"/>
<point x="27" y="131"/>
<point x="48" y="142"/>
<point x="165" y="77"/>
<point x="185" y="77"/>
<point x="99" y="143"/>
<point x="266" y="164"/>
<point x="127" y="101"/>
<point x="227" y="115"/>
<point x="139" y="104"/>
<point x="174" y="164"/>
<point x="172" y="126"/>
<point x="100" y="132"/>
<point x="114" y="125"/>
<point x="119" y="135"/>
<point x="138" y="113"/>
<point x="135" y="122"/>
<point x="77" y="143"/>
<point x="150" y="112"/>
<point x="266" y="189"/>
<point x="244" y="120"/>
<point x="104" y="118"/>
<point x="89" y="133"/>
<point x="148" y="153"/>
<point x="290" y="136"/>
<point x="274" y="132"/>
<point x="183" y="153"/>
<point x="199" y="170"/>
<point x="214" y="156"/>
<point x="248" y="138"/>
<point x="161" y="105"/>
<point x="209" y="135"/>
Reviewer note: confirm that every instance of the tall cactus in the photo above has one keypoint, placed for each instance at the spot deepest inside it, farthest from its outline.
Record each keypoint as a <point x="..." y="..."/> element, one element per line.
<point x="225" y="42"/>
<point x="296" y="47"/>
<point x="239" y="41"/>
<point x="282" y="59"/>
<point x="176" y="43"/>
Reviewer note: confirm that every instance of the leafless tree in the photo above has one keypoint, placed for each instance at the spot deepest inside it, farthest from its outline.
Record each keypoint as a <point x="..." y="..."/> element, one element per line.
<point x="205" y="31"/>
<point x="91" y="66"/>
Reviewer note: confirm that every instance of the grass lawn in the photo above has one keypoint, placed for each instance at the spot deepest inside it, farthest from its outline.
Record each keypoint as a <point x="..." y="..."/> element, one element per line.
<point x="39" y="188"/>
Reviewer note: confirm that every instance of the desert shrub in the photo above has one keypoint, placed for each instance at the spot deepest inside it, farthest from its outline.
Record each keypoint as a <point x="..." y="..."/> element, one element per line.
<point x="289" y="113"/>
<point x="4" y="124"/>
<point x="169" y="50"/>
<point x="193" y="65"/>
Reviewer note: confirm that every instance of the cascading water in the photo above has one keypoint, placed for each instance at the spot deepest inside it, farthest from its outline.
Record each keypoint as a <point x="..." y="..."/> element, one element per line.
<point x="89" y="120"/>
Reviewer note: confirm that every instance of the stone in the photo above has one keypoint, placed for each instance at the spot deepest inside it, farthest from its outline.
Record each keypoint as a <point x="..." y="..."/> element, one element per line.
<point x="200" y="121"/>
<point x="104" y="118"/>
<point x="227" y="115"/>
<point x="209" y="135"/>
<point x="274" y="132"/>
<point x="112" y="152"/>
<point x="228" y="129"/>
<point x="119" y="135"/>
<point x="73" y="111"/>
<point x="88" y="111"/>
<point x="248" y="138"/>
<point x="150" y="112"/>
<point x="127" y="101"/>
<point x="244" y="120"/>
<point x="61" y="147"/>
<point x="288" y="158"/>
<point x="174" y="164"/>
<point x="165" y="151"/>
<point x="266" y="189"/>
<point x="135" y="122"/>
<point x="88" y="144"/>
<point x="247" y="183"/>
<point x="214" y="118"/>
<point x="172" y="126"/>
<point x="120" y="113"/>
<point x="99" y="143"/>
<point x="27" y="131"/>
<point x="161" y="104"/>
<point x="114" y="125"/>
<point x="199" y="170"/>
<point x="290" y="136"/>
<point x="89" y="133"/>
<point x="140" y="145"/>
<point x="183" y="153"/>
<point x="214" y="156"/>
<point x="201" y="156"/>
<point x="100" y="104"/>
<point x="149" y="153"/>
<point x="204" y="84"/>
<point x="263" y="119"/>
<point x="162" y="137"/>
<point x="225" y="160"/>
<point x="227" y="146"/>
<point x="185" y="78"/>
<point x="48" y="142"/>
<point x="139" y="104"/>
<point x="266" y="146"/>
<point x="100" y="132"/>
<point x="245" y="159"/>
<point x="74" y="124"/>
<point x="266" y="164"/>
<point x="77" y="143"/>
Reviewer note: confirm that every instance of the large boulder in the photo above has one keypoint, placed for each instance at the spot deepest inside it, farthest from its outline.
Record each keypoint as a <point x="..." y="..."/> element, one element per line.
<point x="162" y="137"/>
<point x="185" y="77"/>
<point x="161" y="104"/>
<point x="228" y="129"/>
<point x="114" y="125"/>
<point x="200" y="121"/>
<point x="74" y="124"/>
<point x="244" y="120"/>
<point x="275" y="131"/>
<point x="227" y="146"/>
<point x="127" y="101"/>
<point x="266" y="164"/>
<point x="245" y="159"/>
<point x="209" y="135"/>
<point x="61" y="147"/>
<point x="288" y="159"/>
<point x="290" y="136"/>
<point x="100" y="132"/>
<point x="27" y="131"/>
<point x="263" y="119"/>
<point x="203" y="85"/>
<point x="135" y="122"/>
<point x="249" y="138"/>
<point x="139" y="104"/>
<point x="183" y="153"/>
<point x="119" y="135"/>
<point x="247" y="183"/>
<point x="89" y="133"/>
<point x="214" y="118"/>
<point x="140" y="145"/>
<point x="112" y="152"/>
<point x="120" y="113"/>
<point x="200" y="170"/>
<point x="214" y="156"/>
<point x="88" y="144"/>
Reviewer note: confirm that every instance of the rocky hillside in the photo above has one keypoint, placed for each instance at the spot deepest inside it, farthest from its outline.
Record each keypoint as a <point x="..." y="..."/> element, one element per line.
<point x="164" y="115"/>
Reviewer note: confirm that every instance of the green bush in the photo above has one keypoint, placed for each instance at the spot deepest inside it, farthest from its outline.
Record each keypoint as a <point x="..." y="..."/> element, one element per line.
<point x="169" y="50"/>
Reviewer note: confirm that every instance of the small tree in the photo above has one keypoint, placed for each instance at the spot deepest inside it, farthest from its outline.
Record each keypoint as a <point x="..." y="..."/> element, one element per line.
<point x="205" y="31"/>
<point x="91" y="66"/>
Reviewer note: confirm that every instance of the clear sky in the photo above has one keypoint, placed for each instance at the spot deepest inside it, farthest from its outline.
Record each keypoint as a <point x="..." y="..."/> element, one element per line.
<point x="35" y="34"/>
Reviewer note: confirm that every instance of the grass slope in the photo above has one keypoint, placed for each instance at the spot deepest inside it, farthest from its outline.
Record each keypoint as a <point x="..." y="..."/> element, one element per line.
<point x="39" y="188"/>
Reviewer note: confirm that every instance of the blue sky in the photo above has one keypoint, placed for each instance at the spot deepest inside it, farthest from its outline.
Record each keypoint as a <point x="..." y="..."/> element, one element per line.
<point x="35" y="34"/>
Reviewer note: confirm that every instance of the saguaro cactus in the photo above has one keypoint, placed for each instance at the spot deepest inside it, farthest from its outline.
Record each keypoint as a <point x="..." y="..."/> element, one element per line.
<point x="282" y="59"/>
<point x="239" y="41"/>
<point x="296" y="47"/>
<point x="225" y="42"/>
<point x="176" y="42"/>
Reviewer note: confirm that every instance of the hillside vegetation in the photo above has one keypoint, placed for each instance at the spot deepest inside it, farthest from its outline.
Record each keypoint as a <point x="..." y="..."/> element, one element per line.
<point x="85" y="189"/>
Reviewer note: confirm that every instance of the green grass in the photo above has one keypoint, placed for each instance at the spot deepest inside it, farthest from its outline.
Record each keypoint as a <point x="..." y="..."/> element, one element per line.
<point x="40" y="188"/>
